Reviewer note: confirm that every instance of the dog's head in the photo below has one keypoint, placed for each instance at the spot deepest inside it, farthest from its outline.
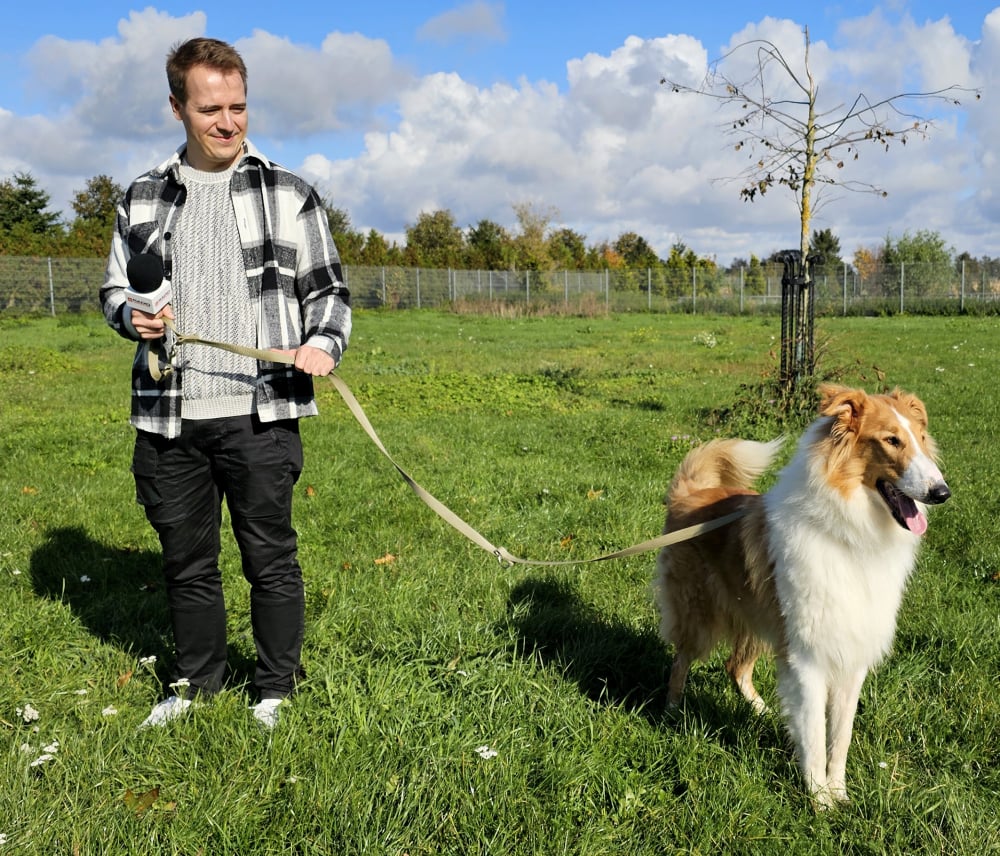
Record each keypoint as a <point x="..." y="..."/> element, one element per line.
<point x="881" y="442"/>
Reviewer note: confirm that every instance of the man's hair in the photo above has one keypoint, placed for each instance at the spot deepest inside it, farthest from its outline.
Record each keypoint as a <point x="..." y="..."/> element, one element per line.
<point x="201" y="51"/>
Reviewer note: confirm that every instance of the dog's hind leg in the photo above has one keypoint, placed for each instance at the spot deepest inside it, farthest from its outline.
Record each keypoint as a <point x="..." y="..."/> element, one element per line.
<point x="740" y="665"/>
<point x="678" y="677"/>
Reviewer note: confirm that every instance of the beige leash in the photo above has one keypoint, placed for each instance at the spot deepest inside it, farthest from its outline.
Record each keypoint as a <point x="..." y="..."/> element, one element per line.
<point x="427" y="498"/>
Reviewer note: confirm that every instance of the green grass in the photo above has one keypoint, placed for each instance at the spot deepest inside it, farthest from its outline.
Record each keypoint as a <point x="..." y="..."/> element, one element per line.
<point x="555" y="437"/>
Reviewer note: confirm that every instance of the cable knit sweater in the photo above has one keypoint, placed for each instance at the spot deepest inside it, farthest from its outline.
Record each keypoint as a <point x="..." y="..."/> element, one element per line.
<point x="210" y="294"/>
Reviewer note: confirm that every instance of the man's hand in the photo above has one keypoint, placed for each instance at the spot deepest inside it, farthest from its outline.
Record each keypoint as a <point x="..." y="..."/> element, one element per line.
<point x="313" y="361"/>
<point x="151" y="326"/>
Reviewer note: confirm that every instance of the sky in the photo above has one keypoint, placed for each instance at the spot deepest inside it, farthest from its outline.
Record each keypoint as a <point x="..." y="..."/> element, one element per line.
<point x="395" y="109"/>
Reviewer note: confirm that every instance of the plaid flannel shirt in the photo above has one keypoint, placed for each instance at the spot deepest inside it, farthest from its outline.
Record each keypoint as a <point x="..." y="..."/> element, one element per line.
<point x="293" y="271"/>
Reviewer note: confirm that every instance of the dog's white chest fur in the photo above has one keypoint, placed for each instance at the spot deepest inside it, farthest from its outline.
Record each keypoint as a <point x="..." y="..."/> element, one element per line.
<point x="840" y="568"/>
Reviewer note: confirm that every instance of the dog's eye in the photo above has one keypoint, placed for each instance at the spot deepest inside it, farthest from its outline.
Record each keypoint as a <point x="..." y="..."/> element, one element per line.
<point x="894" y="441"/>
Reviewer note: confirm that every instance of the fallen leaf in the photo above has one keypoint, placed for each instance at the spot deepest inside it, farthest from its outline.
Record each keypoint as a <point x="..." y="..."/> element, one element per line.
<point x="594" y="494"/>
<point x="124" y="678"/>
<point x="566" y="541"/>
<point x="29" y="491"/>
<point x="310" y="491"/>
<point x="387" y="559"/>
<point x="141" y="802"/>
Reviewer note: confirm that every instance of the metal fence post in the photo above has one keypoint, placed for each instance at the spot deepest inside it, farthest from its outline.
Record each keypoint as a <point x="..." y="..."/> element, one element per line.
<point x="845" y="289"/>
<point x="52" y="289"/>
<point x="902" y="281"/>
<point x="961" y="298"/>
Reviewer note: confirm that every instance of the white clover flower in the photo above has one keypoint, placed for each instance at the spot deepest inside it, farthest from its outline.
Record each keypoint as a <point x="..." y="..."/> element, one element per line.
<point x="84" y="579"/>
<point x="882" y="764"/>
<point x="486" y="753"/>
<point x="42" y="759"/>
<point x="79" y="692"/>
<point x="110" y="710"/>
<point x="27" y="749"/>
<point x="3" y="838"/>
<point x="52" y="748"/>
<point x="27" y="713"/>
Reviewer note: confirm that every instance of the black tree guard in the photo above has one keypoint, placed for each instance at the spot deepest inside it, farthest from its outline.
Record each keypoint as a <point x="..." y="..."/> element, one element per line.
<point x="798" y="315"/>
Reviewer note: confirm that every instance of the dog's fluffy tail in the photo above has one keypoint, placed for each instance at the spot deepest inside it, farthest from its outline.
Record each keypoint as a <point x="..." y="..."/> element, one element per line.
<point x="722" y="464"/>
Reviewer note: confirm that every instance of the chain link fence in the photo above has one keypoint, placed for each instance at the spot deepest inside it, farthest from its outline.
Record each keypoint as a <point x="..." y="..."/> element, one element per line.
<point x="54" y="286"/>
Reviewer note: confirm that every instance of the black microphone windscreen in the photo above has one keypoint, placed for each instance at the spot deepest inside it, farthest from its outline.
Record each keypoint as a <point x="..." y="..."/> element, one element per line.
<point x="144" y="272"/>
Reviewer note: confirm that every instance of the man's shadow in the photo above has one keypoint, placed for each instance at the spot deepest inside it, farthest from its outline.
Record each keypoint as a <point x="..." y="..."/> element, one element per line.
<point x="117" y="593"/>
<point x="615" y="664"/>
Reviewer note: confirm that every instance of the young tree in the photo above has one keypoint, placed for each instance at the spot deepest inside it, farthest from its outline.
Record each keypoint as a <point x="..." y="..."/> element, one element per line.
<point x="794" y="141"/>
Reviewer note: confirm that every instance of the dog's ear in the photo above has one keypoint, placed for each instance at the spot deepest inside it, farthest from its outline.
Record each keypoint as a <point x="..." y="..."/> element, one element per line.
<point x="846" y="405"/>
<point x="910" y="405"/>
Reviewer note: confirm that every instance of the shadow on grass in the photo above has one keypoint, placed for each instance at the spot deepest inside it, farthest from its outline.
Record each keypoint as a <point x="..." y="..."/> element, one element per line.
<point x="117" y="593"/>
<point x="614" y="664"/>
<point x="611" y="662"/>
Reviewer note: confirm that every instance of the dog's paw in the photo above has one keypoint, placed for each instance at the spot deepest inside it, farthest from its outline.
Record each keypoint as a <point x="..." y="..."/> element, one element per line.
<point x="828" y="799"/>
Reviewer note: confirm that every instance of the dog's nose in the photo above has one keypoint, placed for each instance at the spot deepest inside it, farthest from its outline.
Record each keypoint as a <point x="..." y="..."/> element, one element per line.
<point x="938" y="494"/>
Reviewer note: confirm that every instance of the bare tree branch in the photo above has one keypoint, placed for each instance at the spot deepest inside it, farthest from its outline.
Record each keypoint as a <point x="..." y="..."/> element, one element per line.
<point x="789" y="142"/>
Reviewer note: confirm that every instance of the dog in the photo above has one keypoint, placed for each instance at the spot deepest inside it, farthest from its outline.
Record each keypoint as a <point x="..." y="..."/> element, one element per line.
<point x="814" y="570"/>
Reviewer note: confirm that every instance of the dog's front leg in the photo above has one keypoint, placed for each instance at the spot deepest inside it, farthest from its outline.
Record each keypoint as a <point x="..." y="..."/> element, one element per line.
<point x="843" y="705"/>
<point x="802" y="687"/>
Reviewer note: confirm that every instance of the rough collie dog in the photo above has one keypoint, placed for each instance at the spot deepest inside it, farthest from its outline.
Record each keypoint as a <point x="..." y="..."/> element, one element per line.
<point x="814" y="570"/>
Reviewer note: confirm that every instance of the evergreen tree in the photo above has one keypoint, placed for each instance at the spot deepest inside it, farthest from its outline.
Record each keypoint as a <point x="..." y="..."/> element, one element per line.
<point x="24" y="207"/>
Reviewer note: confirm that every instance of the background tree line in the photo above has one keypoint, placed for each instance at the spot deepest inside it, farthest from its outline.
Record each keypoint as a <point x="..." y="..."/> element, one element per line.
<point x="28" y="227"/>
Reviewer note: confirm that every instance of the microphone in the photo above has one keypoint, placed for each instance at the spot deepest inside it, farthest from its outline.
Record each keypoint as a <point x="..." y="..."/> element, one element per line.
<point x="147" y="289"/>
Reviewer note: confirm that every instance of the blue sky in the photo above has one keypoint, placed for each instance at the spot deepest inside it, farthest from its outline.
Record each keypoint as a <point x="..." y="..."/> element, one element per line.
<point x="396" y="108"/>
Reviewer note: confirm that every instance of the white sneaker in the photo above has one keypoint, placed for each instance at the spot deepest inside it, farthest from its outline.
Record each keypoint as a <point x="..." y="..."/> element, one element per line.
<point x="266" y="712"/>
<point x="168" y="709"/>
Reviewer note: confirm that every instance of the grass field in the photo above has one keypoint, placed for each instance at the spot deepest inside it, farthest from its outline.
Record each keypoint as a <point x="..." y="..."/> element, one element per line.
<point x="452" y="705"/>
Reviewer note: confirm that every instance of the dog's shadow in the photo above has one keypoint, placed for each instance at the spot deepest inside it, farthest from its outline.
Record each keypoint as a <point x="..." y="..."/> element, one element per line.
<point x="117" y="594"/>
<point x="615" y="664"/>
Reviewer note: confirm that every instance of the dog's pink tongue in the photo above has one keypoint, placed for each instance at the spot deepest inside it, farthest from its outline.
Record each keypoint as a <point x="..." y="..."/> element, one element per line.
<point x="916" y="521"/>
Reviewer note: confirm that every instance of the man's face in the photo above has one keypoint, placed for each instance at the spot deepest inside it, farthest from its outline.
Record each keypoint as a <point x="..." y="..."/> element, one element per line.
<point x="214" y="117"/>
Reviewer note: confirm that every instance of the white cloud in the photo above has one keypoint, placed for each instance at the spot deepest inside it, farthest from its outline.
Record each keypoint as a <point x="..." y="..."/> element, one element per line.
<point x="296" y="90"/>
<point x="477" y="20"/>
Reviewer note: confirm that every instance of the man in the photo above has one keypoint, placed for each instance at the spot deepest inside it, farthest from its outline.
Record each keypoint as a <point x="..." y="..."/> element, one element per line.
<point x="247" y="250"/>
